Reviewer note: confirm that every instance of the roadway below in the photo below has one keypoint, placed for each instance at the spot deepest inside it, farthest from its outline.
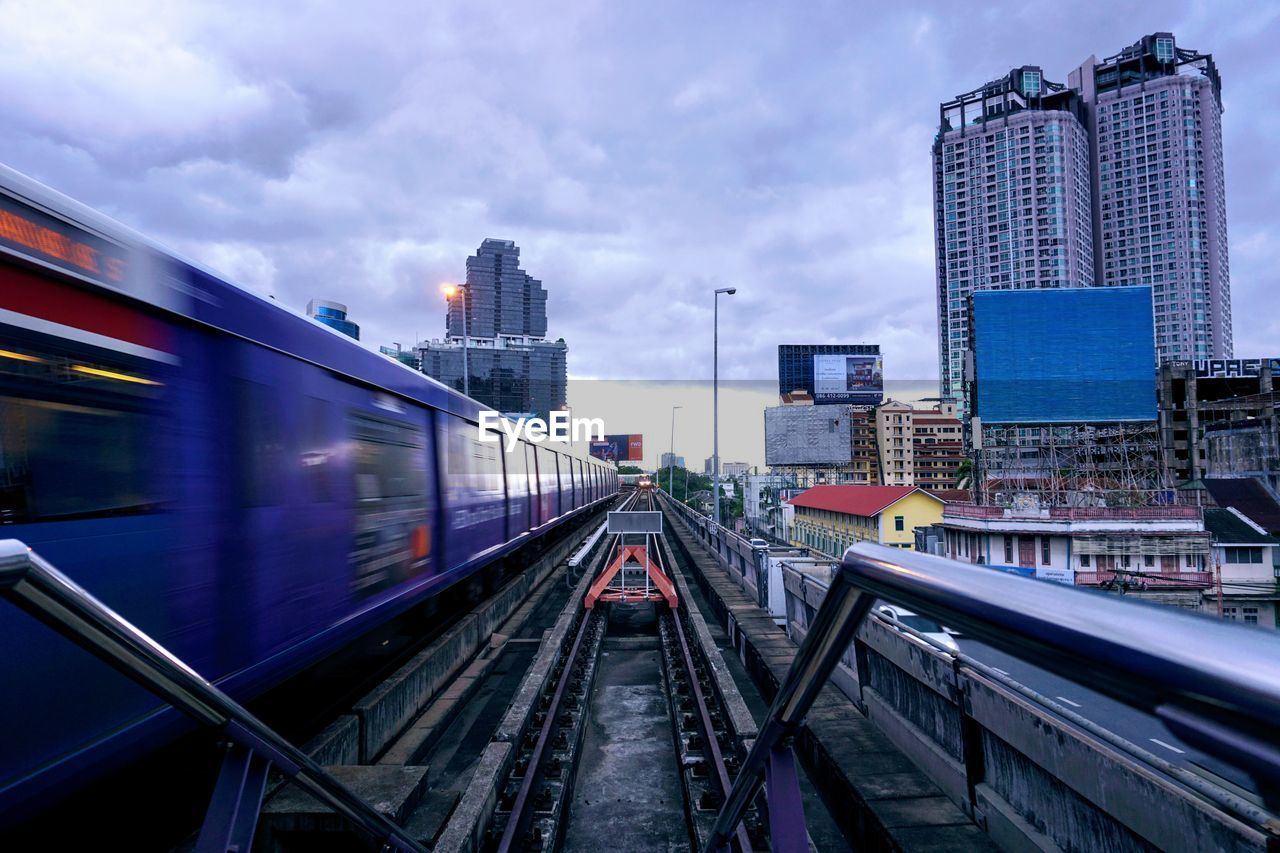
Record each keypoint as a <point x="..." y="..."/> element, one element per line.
<point x="1138" y="727"/>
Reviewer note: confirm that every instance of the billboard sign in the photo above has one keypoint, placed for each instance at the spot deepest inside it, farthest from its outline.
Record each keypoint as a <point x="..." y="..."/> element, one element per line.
<point x="619" y="448"/>
<point x="857" y="379"/>
<point x="1064" y="355"/>
<point x="1232" y="368"/>
<point x="808" y="435"/>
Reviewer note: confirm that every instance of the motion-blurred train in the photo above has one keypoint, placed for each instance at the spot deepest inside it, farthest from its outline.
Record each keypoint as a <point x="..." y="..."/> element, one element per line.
<point x="249" y="487"/>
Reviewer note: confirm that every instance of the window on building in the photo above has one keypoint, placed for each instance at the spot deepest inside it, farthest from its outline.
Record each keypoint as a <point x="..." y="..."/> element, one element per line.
<point x="1250" y="615"/>
<point x="1008" y="548"/>
<point x="1031" y="83"/>
<point x="1044" y="550"/>
<point x="1164" y="49"/>
<point x="1084" y="561"/>
<point x="899" y="523"/>
<point x="1243" y="555"/>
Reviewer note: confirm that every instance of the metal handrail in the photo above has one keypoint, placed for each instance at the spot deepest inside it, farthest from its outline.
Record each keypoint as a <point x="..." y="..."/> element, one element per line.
<point x="1215" y="685"/>
<point x="41" y="590"/>
<point x="1217" y="794"/>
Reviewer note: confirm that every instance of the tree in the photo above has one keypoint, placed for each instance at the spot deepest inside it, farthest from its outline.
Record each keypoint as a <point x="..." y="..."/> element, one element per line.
<point x="685" y="482"/>
<point x="629" y="469"/>
<point x="964" y="474"/>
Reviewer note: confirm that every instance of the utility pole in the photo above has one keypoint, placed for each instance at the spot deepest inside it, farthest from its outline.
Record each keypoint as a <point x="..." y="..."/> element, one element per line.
<point x="461" y="291"/>
<point x="715" y="397"/>
<point x="671" y="457"/>
<point x="1218" y="572"/>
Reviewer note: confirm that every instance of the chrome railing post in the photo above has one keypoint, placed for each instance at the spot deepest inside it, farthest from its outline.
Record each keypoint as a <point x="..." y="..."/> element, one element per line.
<point x="50" y="596"/>
<point x="833" y="628"/>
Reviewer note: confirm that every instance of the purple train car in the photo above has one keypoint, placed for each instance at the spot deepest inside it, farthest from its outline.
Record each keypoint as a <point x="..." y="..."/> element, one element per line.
<point x="249" y="487"/>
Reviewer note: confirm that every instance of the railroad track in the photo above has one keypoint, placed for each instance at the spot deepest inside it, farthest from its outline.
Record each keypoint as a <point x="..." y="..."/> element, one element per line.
<point x="588" y="762"/>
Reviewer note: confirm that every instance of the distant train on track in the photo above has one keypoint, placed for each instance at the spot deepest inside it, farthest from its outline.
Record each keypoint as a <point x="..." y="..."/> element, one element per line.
<point x="249" y="487"/>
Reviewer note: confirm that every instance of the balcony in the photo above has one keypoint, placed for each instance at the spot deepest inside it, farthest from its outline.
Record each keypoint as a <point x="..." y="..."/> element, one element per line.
<point x="1080" y="513"/>
<point x="1141" y="580"/>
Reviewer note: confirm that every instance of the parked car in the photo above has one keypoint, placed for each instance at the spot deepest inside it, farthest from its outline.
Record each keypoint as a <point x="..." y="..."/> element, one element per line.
<point x="898" y="616"/>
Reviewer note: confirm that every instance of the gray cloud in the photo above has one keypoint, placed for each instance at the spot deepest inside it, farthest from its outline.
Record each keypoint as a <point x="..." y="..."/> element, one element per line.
<point x="640" y="154"/>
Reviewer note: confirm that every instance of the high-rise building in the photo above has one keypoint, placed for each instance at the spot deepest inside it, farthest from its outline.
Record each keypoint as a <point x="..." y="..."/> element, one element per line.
<point x="1113" y="179"/>
<point x="501" y="299"/>
<point x="1012" y="204"/>
<point x="1160" y="204"/>
<point x="515" y="376"/>
<point x="333" y="315"/>
<point x="670" y="459"/>
<point x="511" y="366"/>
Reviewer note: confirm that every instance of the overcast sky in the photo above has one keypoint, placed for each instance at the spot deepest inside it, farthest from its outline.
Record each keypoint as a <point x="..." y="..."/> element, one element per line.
<point x="640" y="154"/>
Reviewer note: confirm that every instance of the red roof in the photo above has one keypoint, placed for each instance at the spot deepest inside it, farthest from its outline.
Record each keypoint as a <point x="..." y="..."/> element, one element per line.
<point x="963" y="496"/>
<point x="865" y="501"/>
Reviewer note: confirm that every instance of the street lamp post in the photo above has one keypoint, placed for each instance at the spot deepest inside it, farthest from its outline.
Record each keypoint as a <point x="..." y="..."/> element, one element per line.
<point x="449" y="292"/>
<point x="671" y="460"/>
<point x="715" y="397"/>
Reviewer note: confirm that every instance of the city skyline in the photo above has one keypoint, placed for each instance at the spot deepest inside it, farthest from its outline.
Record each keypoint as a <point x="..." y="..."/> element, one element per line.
<point x="370" y="184"/>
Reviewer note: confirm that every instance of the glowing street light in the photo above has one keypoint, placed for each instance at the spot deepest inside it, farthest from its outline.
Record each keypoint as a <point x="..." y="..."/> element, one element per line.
<point x="450" y="291"/>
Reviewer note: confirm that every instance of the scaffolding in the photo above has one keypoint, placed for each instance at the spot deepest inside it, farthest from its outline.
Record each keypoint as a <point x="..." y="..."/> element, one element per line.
<point x="1101" y="465"/>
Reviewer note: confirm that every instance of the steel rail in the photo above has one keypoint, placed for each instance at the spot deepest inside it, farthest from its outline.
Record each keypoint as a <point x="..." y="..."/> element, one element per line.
<point x="521" y="813"/>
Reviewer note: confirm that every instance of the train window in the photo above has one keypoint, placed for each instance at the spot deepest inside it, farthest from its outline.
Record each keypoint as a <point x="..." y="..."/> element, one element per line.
<point x="517" y="478"/>
<point x="393" y="510"/>
<point x="318" y="448"/>
<point x="262" y="443"/>
<point x="472" y="468"/>
<point x="389" y="459"/>
<point x="548" y="475"/>
<point x="76" y="435"/>
<point x="531" y="467"/>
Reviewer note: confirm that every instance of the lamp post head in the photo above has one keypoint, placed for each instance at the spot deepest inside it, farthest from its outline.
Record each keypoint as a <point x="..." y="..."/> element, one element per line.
<point x="449" y="290"/>
<point x="728" y="290"/>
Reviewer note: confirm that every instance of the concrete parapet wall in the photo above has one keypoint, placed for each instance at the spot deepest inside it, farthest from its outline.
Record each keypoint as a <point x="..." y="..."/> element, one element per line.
<point x="339" y="743"/>
<point x="469" y="822"/>
<point x="387" y="709"/>
<point x="1029" y="778"/>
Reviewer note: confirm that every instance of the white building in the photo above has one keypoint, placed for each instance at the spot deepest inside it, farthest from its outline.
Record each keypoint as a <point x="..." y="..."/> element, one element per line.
<point x="1158" y="549"/>
<point x="1244" y="569"/>
<point x="734" y="469"/>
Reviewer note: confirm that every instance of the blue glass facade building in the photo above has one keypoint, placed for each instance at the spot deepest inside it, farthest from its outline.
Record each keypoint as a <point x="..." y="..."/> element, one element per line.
<point x="1064" y="355"/>
<point x="333" y="315"/>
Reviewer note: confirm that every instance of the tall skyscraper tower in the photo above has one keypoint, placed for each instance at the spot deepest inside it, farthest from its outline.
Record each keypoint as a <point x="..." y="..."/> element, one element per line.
<point x="1159" y="189"/>
<point x="502" y="299"/>
<point x="511" y="367"/>
<point x="1012" y="206"/>
<point x="1113" y="179"/>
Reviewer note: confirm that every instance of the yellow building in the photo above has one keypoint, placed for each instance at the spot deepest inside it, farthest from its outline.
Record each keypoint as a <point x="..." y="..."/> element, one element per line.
<point x="831" y="518"/>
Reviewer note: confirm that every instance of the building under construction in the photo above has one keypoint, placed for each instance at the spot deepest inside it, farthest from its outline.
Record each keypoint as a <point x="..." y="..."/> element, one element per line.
<point x="1109" y="464"/>
<point x="1064" y="398"/>
<point x="1218" y="419"/>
